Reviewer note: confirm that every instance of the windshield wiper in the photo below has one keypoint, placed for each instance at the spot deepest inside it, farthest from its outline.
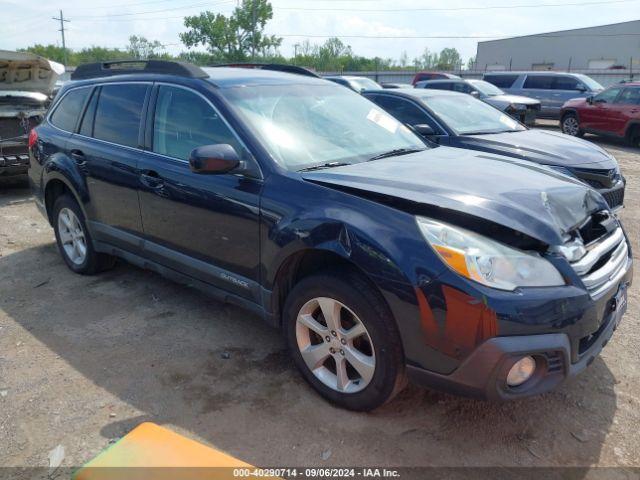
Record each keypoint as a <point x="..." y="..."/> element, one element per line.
<point x="323" y="165"/>
<point x="396" y="152"/>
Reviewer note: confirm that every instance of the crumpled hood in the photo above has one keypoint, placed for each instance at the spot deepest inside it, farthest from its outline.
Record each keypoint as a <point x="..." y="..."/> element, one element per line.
<point x="520" y="195"/>
<point x="542" y="146"/>
<point x="20" y="71"/>
<point x="509" y="99"/>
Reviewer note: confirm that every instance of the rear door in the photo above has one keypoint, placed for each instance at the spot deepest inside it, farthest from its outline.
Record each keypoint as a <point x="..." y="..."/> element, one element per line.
<point x="205" y="226"/>
<point x="107" y="147"/>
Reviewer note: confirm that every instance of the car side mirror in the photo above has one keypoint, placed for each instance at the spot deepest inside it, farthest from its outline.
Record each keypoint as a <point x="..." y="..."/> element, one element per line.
<point x="590" y="100"/>
<point x="424" y="129"/>
<point x="581" y="88"/>
<point x="475" y="93"/>
<point x="214" y="159"/>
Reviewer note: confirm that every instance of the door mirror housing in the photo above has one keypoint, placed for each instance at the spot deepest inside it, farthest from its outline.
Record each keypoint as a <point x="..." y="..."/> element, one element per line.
<point x="424" y="129"/>
<point x="581" y="88"/>
<point x="474" y="93"/>
<point x="214" y="159"/>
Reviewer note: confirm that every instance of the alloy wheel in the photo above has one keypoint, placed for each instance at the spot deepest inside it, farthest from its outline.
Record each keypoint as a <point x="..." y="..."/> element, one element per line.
<point x="335" y="345"/>
<point x="570" y="126"/>
<point x="72" y="236"/>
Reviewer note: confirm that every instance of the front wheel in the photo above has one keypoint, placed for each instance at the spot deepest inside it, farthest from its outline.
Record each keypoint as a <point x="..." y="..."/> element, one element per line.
<point x="344" y="341"/>
<point x="571" y="125"/>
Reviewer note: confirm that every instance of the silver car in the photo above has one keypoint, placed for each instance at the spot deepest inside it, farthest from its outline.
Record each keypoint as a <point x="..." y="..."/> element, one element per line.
<point x="522" y="109"/>
<point x="552" y="89"/>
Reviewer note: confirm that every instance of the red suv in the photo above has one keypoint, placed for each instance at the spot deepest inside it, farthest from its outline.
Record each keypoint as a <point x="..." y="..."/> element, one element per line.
<point x="613" y="112"/>
<point x="420" y="76"/>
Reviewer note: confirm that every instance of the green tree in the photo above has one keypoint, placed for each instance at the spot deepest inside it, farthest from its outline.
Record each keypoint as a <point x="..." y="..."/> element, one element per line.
<point x="449" y="59"/>
<point x="471" y="63"/>
<point x="52" y="52"/>
<point x="234" y="38"/>
<point x="141" y="49"/>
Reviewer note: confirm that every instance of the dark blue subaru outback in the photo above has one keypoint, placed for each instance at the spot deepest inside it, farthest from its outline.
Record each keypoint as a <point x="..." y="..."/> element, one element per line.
<point x="381" y="259"/>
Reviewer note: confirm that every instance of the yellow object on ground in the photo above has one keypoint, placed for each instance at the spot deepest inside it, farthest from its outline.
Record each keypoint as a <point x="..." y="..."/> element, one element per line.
<point x="151" y="452"/>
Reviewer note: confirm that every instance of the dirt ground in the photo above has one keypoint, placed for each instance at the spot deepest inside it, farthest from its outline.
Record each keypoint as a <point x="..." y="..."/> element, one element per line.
<point x="85" y="359"/>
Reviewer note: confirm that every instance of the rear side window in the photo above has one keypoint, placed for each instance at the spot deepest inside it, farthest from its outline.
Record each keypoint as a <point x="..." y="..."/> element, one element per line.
<point x="566" y="83"/>
<point x="501" y="81"/>
<point x="86" y="127"/>
<point x="184" y="121"/>
<point x="439" y="85"/>
<point x="68" y="110"/>
<point x="403" y="110"/>
<point x="118" y="113"/>
<point x="461" y="87"/>
<point x="542" y="82"/>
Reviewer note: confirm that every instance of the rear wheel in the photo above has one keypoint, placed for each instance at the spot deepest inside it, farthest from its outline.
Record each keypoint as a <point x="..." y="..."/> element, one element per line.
<point x="634" y="136"/>
<point x="571" y="125"/>
<point x="74" y="240"/>
<point x="344" y="340"/>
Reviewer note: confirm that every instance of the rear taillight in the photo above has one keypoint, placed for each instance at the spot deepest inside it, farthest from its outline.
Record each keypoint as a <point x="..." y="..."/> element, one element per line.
<point x="33" y="137"/>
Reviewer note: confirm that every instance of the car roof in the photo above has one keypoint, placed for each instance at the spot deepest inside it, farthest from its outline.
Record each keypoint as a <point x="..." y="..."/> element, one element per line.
<point x="348" y="77"/>
<point x="627" y="84"/>
<point x="443" y="80"/>
<point x="532" y="72"/>
<point x="221" y="77"/>
<point x="419" y="93"/>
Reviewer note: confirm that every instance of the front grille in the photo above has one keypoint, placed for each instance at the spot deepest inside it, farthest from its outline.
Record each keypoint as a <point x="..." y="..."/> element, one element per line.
<point x="605" y="262"/>
<point x="615" y="197"/>
<point x="597" y="177"/>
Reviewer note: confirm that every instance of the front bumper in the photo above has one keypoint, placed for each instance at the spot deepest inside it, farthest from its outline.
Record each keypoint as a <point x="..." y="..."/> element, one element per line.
<point x="559" y="356"/>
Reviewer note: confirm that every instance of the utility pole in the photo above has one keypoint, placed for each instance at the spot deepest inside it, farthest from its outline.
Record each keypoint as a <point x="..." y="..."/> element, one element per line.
<point x="64" y="45"/>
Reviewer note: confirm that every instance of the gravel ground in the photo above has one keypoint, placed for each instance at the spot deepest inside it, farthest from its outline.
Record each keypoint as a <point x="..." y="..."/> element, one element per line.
<point x="85" y="359"/>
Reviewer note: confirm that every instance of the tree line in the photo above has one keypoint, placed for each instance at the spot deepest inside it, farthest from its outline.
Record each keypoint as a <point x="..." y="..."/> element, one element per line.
<point x="241" y="37"/>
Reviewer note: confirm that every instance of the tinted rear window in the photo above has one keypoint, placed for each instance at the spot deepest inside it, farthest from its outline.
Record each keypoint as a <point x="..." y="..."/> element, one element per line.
<point x="544" y="82"/>
<point x="118" y="114"/>
<point x="501" y="81"/>
<point x="67" y="112"/>
<point x="566" y="83"/>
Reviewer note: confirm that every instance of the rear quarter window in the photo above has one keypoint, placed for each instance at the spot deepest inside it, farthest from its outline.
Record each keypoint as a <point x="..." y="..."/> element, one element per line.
<point x="65" y="115"/>
<point x="118" y="113"/>
<point x="566" y="83"/>
<point x="501" y="81"/>
<point x="541" y="82"/>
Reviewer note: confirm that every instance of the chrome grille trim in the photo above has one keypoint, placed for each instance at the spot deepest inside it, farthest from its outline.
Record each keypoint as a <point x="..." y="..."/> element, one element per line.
<point x="585" y="264"/>
<point x="599" y="281"/>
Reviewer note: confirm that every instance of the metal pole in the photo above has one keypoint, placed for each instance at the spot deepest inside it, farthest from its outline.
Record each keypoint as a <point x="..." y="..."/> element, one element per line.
<point x="64" y="45"/>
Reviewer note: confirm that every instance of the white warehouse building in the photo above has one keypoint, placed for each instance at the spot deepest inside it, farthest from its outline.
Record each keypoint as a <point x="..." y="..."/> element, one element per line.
<point x="615" y="46"/>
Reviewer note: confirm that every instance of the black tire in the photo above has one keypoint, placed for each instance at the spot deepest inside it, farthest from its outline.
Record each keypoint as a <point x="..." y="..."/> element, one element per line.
<point x="566" y="129"/>
<point x="353" y="291"/>
<point x="94" y="262"/>
<point x="634" y="136"/>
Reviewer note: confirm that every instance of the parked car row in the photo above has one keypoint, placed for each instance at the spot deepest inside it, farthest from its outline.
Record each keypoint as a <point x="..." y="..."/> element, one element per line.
<point x="381" y="252"/>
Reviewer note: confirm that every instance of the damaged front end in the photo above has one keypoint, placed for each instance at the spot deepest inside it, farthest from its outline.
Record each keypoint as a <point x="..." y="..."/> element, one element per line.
<point x="26" y="85"/>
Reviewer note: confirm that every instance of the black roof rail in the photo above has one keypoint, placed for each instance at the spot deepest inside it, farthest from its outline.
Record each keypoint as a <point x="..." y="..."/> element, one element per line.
<point x="276" y="67"/>
<point x="120" y="67"/>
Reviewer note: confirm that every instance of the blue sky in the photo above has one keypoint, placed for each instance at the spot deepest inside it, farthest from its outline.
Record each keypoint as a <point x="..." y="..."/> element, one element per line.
<point x="111" y="22"/>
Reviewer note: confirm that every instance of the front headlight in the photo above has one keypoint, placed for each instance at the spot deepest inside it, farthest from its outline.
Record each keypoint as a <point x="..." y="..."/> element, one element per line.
<point x="486" y="261"/>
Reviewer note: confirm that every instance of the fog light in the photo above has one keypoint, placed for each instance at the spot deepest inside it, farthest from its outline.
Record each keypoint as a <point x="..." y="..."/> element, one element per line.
<point x="521" y="371"/>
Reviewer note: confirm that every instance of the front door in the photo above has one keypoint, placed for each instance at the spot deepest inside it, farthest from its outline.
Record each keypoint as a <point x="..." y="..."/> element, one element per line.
<point x="205" y="226"/>
<point x="596" y="116"/>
